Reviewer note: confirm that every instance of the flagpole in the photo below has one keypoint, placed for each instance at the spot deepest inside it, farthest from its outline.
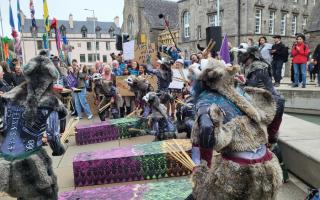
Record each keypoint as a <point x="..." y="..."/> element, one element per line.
<point x="2" y="46"/>
<point x="24" y="49"/>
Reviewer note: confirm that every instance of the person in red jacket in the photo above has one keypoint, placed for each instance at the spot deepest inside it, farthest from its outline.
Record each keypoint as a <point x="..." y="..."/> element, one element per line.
<point x="300" y="52"/>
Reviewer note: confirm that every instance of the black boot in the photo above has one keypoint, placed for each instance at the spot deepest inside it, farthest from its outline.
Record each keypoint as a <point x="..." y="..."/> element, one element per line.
<point x="122" y="112"/>
<point x="102" y="116"/>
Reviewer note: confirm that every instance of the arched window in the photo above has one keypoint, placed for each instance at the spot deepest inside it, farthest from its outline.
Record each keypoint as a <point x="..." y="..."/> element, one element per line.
<point x="111" y="32"/>
<point x="130" y="25"/>
<point x="84" y="32"/>
<point x="186" y="24"/>
<point x="63" y="30"/>
<point x="98" y="32"/>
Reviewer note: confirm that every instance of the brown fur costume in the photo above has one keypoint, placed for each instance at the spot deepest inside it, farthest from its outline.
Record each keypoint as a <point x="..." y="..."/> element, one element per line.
<point x="228" y="180"/>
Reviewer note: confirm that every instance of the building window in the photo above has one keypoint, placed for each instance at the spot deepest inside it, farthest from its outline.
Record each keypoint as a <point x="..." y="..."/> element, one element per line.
<point x="39" y="45"/>
<point x="186" y="24"/>
<point x="97" y="57"/>
<point x="258" y="20"/>
<point x="294" y="25"/>
<point x="89" y="47"/>
<point x="82" y="58"/>
<point x="271" y="22"/>
<point x="305" y="21"/>
<point x="283" y="24"/>
<point x="130" y="24"/>
<point x="84" y="32"/>
<point x="295" y="1"/>
<point x="111" y="32"/>
<point x="90" y="57"/>
<point x="97" y="45"/>
<point x="305" y="2"/>
<point x="314" y="2"/>
<point x="199" y="32"/>
<point x="104" y="57"/>
<point x="108" y="46"/>
<point x="98" y="32"/>
<point x="199" y="2"/>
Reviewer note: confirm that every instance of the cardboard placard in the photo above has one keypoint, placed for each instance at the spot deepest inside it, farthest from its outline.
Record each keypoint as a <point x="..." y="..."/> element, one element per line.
<point x="128" y="50"/>
<point x="124" y="89"/>
<point x="143" y="52"/>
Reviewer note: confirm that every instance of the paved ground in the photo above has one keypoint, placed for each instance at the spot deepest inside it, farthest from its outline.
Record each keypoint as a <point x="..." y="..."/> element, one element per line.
<point x="63" y="166"/>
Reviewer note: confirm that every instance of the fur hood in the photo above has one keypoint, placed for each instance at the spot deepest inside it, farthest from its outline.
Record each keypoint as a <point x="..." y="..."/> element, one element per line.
<point x="48" y="100"/>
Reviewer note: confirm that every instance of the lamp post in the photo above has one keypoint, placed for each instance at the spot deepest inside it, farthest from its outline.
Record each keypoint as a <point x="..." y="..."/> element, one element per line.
<point x="94" y="32"/>
<point x="218" y="12"/>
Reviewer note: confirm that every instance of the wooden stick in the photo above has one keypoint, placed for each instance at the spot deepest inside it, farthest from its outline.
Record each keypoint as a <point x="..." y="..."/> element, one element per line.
<point x="104" y="107"/>
<point x="183" y="151"/>
<point x="134" y="112"/>
<point x="180" y="79"/>
<point x="178" y="157"/>
<point x="182" y="103"/>
<point x="68" y="132"/>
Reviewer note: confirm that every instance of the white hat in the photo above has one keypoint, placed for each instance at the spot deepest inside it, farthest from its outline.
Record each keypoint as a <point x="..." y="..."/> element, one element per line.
<point x="180" y="61"/>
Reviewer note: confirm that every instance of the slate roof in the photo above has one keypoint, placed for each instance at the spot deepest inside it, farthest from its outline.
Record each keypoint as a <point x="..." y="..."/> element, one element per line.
<point x="314" y="20"/>
<point x="152" y="9"/>
<point x="77" y="26"/>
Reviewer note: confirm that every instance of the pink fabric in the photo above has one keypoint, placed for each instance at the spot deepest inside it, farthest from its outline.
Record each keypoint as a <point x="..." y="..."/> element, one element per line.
<point x="206" y="154"/>
<point x="243" y="161"/>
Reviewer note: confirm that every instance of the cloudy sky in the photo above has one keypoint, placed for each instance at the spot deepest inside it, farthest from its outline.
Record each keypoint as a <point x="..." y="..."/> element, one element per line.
<point x="105" y="10"/>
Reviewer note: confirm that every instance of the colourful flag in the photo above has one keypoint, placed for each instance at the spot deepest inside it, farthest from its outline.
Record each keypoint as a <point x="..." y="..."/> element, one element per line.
<point x="32" y="11"/>
<point x="11" y="17"/>
<point x="46" y="16"/>
<point x="224" y="50"/>
<point x="19" y="15"/>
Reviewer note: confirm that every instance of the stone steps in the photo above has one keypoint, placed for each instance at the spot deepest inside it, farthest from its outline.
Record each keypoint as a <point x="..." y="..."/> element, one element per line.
<point x="109" y="130"/>
<point x="164" y="190"/>
<point x="124" y="164"/>
<point x="300" y="145"/>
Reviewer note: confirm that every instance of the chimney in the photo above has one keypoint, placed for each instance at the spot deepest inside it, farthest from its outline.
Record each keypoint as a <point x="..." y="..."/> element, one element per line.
<point x="117" y="21"/>
<point x="71" y="21"/>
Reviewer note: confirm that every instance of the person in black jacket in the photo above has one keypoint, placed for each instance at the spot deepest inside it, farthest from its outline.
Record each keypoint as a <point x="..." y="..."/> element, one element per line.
<point x="7" y="76"/>
<point x="316" y="61"/>
<point x="4" y="86"/>
<point x="279" y="57"/>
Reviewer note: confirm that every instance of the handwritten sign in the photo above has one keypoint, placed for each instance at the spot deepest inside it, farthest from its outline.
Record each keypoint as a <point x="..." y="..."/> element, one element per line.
<point x="128" y="50"/>
<point x="124" y="89"/>
<point x="144" y="52"/>
<point x="178" y="77"/>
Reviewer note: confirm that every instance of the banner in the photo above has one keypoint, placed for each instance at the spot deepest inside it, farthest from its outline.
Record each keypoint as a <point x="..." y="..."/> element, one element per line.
<point x="46" y="16"/>
<point x="144" y="54"/>
<point x="124" y="89"/>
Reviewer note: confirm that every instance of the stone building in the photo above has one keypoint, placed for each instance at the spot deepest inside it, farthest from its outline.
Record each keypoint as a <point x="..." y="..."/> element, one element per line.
<point x="141" y="17"/>
<point x="241" y="19"/>
<point x="313" y="30"/>
<point x="80" y="35"/>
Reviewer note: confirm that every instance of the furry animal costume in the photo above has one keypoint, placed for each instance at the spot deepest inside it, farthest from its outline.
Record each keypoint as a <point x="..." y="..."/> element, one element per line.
<point x="237" y="128"/>
<point x="109" y="92"/>
<point x="31" y="109"/>
<point x="161" y="126"/>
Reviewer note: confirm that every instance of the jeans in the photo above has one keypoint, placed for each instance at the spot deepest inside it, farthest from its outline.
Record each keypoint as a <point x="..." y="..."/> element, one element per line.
<point x="80" y="99"/>
<point x="277" y="70"/>
<point x="303" y="69"/>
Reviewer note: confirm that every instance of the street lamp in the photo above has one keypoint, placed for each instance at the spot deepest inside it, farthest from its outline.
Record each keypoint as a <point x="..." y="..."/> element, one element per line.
<point x="94" y="31"/>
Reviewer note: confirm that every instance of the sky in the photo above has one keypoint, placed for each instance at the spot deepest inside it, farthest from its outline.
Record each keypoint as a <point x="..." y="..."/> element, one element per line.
<point x="105" y="10"/>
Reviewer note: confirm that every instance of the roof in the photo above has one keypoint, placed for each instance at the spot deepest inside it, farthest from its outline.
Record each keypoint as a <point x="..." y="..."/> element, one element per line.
<point x="77" y="26"/>
<point x="314" y="20"/>
<point x="152" y="9"/>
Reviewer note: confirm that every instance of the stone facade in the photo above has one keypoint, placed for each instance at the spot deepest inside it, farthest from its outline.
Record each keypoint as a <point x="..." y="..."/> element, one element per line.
<point x="313" y="30"/>
<point x="83" y="46"/>
<point x="141" y="17"/>
<point x="201" y="10"/>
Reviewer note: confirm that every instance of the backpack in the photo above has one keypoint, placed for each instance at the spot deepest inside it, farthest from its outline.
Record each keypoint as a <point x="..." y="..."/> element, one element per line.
<point x="285" y="54"/>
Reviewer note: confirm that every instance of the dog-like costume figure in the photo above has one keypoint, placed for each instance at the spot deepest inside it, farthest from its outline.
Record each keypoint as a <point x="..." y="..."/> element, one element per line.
<point x="31" y="109"/>
<point x="161" y="125"/>
<point x="236" y="127"/>
<point x="110" y="95"/>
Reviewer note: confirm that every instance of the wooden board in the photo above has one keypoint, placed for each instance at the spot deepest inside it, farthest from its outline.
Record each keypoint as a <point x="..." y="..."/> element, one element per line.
<point x="124" y="89"/>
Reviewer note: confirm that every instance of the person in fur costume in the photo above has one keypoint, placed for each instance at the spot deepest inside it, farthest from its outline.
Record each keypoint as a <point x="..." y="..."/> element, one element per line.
<point x="110" y="94"/>
<point x="236" y="127"/>
<point x="160" y="125"/>
<point x="31" y="109"/>
<point x="140" y="86"/>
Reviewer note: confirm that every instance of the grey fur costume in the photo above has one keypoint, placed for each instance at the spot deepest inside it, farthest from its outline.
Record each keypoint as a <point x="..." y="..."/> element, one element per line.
<point x="226" y="179"/>
<point x="28" y="174"/>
